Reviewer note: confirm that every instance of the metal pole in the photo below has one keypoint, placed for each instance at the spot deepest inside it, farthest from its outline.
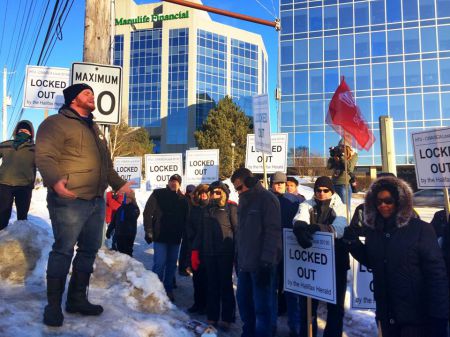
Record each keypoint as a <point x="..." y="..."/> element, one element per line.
<point x="4" y="108"/>
<point x="275" y="24"/>
<point x="232" y="157"/>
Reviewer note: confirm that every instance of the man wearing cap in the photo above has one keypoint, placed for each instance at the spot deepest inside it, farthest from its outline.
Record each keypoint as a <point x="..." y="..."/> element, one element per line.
<point x="165" y="216"/>
<point x="17" y="173"/>
<point x="324" y="212"/>
<point x="74" y="161"/>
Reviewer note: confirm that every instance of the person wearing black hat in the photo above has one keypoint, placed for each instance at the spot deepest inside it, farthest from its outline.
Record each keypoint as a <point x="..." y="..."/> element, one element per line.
<point x="75" y="163"/>
<point x="165" y="217"/>
<point x="17" y="173"/>
<point x="184" y="261"/>
<point x="324" y="212"/>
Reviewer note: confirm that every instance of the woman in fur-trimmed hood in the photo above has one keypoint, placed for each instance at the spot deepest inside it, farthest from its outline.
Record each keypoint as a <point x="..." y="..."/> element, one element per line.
<point x="409" y="276"/>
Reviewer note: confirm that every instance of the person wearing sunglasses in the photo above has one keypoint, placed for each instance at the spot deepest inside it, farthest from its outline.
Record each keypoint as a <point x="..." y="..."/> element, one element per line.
<point x="409" y="275"/>
<point x="324" y="212"/>
<point x="213" y="248"/>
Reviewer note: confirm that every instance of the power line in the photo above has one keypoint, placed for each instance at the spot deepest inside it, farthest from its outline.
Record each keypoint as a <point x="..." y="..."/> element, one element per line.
<point x="48" y="32"/>
<point x="16" y="30"/>
<point x="3" y="29"/>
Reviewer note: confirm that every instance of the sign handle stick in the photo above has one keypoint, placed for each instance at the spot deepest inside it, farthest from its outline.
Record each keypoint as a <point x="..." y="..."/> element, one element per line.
<point x="309" y="316"/>
<point x="45" y="113"/>
<point x="346" y="201"/>
<point x="264" y="171"/>
<point x="380" y="333"/>
<point x="446" y="202"/>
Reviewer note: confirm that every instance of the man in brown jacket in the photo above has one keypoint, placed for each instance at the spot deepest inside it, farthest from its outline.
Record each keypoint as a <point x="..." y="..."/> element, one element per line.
<point x="74" y="161"/>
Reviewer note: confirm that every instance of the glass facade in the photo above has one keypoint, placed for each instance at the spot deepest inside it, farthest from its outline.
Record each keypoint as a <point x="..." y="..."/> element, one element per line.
<point x="244" y="69"/>
<point x="177" y="112"/>
<point x="394" y="55"/>
<point x="118" y="50"/>
<point x="211" y="72"/>
<point x="145" y="78"/>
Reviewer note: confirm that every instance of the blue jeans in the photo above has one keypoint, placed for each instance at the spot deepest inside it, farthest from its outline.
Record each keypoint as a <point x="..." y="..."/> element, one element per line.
<point x="293" y="312"/>
<point x="255" y="298"/>
<point x="165" y="258"/>
<point x="74" y="222"/>
<point x="340" y="190"/>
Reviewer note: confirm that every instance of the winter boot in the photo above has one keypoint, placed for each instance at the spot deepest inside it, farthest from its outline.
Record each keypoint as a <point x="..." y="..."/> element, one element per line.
<point x="77" y="301"/>
<point x="53" y="315"/>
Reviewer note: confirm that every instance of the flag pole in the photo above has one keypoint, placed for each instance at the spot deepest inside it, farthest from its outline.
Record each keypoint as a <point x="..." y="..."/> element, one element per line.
<point x="347" y="199"/>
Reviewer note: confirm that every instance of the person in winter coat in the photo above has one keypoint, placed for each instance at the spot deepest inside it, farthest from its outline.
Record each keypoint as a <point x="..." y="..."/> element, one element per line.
<point x="165" y="217"/>
<point x="409" y="275"/>
<point x="122" y="214"/>
<point x="213" y="247"/>
<point x="200" y="200"/>
<point x="258" y="249"/>
<point x="17" y="173"/>
<point x="184" y="261"/>
<point x="292" y="188"/>
<point x="74" y="160"/>
<point x="325" y="212"/>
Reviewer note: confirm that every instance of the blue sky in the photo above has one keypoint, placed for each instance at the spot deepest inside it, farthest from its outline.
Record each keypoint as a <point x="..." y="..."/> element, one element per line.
<point x="20" y="21"/>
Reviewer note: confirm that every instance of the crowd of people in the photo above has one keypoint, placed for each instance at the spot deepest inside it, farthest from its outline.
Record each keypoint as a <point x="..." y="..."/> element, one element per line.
<point x="409" y="258"/>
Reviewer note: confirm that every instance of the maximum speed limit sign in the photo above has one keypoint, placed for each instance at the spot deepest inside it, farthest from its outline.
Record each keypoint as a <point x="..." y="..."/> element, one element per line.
<point x="106" y="81"/>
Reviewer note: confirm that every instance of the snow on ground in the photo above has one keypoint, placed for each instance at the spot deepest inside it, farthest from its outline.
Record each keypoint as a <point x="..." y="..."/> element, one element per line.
<point x="134" y="300"/>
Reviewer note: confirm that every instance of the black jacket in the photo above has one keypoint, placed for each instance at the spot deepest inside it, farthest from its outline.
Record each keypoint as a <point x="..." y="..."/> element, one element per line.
<point x="258" y="237"/>
<point x="410" y="280"/>
<point x="165" y="216"/>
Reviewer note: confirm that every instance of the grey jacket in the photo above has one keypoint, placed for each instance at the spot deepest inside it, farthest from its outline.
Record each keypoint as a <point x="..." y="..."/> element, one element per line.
<point x="258" y="236"/>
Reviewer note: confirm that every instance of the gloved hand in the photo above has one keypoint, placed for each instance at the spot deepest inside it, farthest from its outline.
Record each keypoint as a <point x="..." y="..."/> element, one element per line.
<point x="350" y="235"/>
<point x="264" y="274"/>
<point x="313" y="228"/>
<point x="438" y="327"/>
<point x="303" y="234"/>
<point x="195" y="260"/>
<point x="148" y="238"/>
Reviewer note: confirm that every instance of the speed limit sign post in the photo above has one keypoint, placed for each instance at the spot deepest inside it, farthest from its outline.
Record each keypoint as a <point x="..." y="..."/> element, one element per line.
<point x="106" y="81"/>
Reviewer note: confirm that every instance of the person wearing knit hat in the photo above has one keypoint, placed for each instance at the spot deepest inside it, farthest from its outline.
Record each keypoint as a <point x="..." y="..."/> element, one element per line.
<point x="324" y="212"/>
<point x="75" y="163"/>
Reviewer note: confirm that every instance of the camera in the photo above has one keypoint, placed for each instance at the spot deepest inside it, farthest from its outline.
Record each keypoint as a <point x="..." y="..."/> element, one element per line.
<point x="336" y="151"/>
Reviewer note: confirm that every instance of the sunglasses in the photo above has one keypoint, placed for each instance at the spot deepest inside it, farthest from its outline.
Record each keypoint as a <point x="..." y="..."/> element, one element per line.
<point x="240" y="187"/>
<point x="217" y="192"/>
<point x="323" y="190"/>
<point x="386" y="201"/>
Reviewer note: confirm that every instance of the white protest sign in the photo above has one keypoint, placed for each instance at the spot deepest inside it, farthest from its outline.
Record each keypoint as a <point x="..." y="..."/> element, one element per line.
<point x="432" y="156"/>
<point x="261" y="122"/>
<point x="310" y="272"/>
<point x="362" y="290"/>
<point x="202" y="166"/>
<point x="129" y="169"/>
<point x="159" y="168"/>
<point x="44" y="87"/>
<point x="277" y="161"/>
<point x="106" y="81"/>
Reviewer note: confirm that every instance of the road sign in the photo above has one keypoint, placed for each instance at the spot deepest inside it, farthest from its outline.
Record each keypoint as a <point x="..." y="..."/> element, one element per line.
<point x="310" y="272"/>
<point x="159" y="168"/>
<point x="261" y="122"/>
<point x="44" y="87"/>
<point x="202" y="166"/>
<point x="129" y="169"/>
<point x="106" y="81"/>
<point x="277" y="161"/>
<point x="432" y="155"/>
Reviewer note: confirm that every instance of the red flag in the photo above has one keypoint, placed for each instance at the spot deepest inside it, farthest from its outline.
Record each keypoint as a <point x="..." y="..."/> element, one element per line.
<point x="346" y="118"/>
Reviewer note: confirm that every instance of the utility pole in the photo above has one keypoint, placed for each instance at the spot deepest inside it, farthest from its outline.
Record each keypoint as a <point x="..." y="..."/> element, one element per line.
<point x="97" y="31"/>
<point x="6" y="102"/>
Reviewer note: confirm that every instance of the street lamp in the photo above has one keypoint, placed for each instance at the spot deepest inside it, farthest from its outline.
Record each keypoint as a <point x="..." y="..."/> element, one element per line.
<point x="232" y="157"/>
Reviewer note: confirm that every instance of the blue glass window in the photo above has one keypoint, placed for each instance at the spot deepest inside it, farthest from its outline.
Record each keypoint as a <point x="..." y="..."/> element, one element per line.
<point x="301" y="51"/>
<point x="317" y="144"/>
<point x="395" y="42"/>
<point x="378" y="44"/>
<point x="315" y="50"/>
<point x="286" y="23"/>
<point x="397" y="107"/>
<point x="412" y="73"/>
<point x="445" y="101"/>
<point x="364" y="105"/>
<point x="316" y="112"/>
<point x="444" y="37"/>
<point x="349" y="75"/>
<point x="301" y="82"/>
<point x="394" y="10"/>
<point x="411" y="40"/>
<point x="331" y="48"/>
<point x="346" y="46"/>
<point x="315" y="18"/>
<point x="414" y="107"/>
<point x="287" y="84"/>
<point x="361" y="13"/>
<point x="445" y="71"/>
<point x="118" y="50"/>
<point x="362" y="45"/>
<point x="330" y="17"/>
<point x="430" y="72"/>
<point x="345" y="15"/>
<point x="409" y="10"/>
<point x="287" y="52"/>
<point x="301" y="113"/>
<point x="396" y="75"/>
<point x="443" y="8"/>
<point x="287" y="114"/>
<point x="426" y="9"/>
<point x="363" y="77"/>
<point x="244" y="69"/>
<point x="379" y="76"/>
<point x="377" y="12"/>
<point x="300" y="21"/>
<point x="428" y="39"/>
<point x="315" y="81"/>
<point x="380" y="107"/>
<point x="331" y="79"/>
<point x="431" y="106"/>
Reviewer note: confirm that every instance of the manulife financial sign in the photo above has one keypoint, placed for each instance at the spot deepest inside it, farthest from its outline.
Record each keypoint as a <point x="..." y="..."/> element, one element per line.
<point x="152" y="18"/>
